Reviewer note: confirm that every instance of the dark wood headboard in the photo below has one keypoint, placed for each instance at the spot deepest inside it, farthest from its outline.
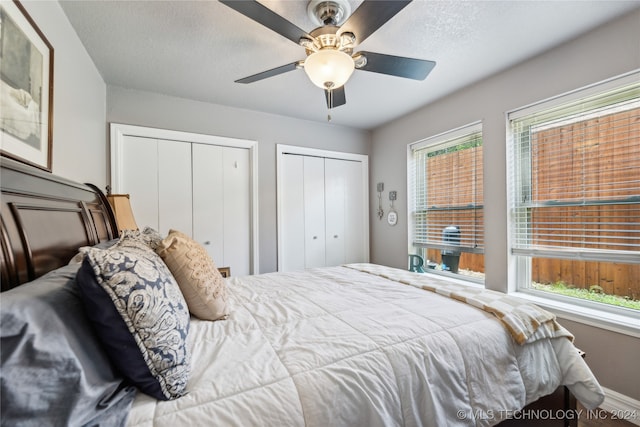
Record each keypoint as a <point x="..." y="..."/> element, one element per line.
<point x="44" y="220"/>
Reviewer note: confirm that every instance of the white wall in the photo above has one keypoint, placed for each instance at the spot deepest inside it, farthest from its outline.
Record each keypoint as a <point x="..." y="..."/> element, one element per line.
<point x="600" y="54"/>
<point x="160" y="111"/>
<point x="79" y="100"/>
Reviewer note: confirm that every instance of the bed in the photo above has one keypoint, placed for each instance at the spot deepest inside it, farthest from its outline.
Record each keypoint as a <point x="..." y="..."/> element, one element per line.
<point x="354" y="345"/>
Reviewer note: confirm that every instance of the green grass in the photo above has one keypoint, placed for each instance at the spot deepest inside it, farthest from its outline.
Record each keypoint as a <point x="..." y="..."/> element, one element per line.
<point x="593" y="294"/>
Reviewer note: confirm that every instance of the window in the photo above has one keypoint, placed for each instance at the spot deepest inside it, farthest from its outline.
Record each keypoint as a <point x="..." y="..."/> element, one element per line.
<point x="447" y="212"/>
<point x="575" y="194"/>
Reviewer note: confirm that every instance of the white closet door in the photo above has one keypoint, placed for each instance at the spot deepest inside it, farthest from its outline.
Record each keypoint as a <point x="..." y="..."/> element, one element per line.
<point x="208" y="197"/>
<point x="199" y="184"/>
<point x="237" y="210"/>
<point x="345" y="227"/>
<point x="322" y="210"/>
<point x="174" y="187"/>
<point x="292" y="212"/>
<point x="335" y="209"/>
<point x="139" y="174"/>
<point x="314" y="213"/>
<point x="355" y="223"/>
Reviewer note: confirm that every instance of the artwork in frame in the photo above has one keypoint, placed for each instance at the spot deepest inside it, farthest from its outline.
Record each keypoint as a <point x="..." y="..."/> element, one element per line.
<point x="26" y="88"/>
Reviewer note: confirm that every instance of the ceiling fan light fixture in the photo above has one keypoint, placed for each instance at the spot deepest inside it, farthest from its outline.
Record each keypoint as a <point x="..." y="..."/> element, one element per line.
<point x="359" y="60"/>
<point x="347" y="40"/>
<point x="329" y="68"/>
<point x="308" y="44"/>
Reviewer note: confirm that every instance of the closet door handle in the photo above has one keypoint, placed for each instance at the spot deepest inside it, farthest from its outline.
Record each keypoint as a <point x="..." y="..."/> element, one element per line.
<point x="315" y="237"/>
<point x="335" y="236"/>
<point x="208" y="242"/>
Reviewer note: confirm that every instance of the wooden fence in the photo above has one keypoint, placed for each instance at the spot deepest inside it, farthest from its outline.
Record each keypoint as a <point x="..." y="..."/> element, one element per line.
<point x="595" y="159"/>
<point x="464" y="198"/>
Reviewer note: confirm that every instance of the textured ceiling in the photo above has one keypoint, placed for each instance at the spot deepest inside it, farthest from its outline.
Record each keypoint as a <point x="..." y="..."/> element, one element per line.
<point x="196" y="49"/>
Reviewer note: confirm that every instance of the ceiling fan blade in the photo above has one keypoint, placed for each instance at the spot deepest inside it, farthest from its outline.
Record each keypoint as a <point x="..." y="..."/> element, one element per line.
<point x="371" y="15"/>
<point x="269" y="73"/>
<point x="335" y="97"/>
<point x="265" y="16"/>
<point x="410" y="68"/>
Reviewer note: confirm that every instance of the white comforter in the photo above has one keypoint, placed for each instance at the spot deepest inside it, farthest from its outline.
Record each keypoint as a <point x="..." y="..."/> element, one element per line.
<point x="339" y="347"/>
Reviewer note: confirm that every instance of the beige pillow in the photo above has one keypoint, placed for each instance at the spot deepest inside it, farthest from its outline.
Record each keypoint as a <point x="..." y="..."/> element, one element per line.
<point x="201" y="283"/>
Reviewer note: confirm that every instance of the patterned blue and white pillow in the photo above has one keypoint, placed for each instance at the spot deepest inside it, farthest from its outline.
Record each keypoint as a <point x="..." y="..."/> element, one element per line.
<point x="139" y="314"/>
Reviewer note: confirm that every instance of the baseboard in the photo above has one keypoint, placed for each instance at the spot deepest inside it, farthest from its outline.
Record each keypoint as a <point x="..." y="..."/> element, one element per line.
<point x="621" y="406"/>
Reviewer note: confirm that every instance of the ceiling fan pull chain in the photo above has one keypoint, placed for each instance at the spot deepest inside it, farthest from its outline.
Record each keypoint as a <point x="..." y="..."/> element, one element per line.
<point x="330" y="105"/>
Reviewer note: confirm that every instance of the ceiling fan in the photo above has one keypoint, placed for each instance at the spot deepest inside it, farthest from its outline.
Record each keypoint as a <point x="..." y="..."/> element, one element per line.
<point x="330" y="57"/>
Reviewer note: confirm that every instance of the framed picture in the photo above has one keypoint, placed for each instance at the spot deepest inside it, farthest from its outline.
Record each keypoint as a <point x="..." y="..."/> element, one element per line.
<point x="225" y="271"/>
<point x="26" y="88"/>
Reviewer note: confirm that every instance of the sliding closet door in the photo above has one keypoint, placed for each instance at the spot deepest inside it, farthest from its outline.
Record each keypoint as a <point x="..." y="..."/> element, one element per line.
<point x="208" y="211"/>
<point x="344" y="212"/>
<point x="157" y="176"/>
<point x="174" y="187"/>
<point x="335" y="209"/>
<point x="303" y="212"/>
<point x="314" y="212"/>
<point x="291" y="196"/>
<point x="222" y="205"/>
<point x="237" y="210"/>
<point x="356" y="248"/>
<point x="139" y="175"/>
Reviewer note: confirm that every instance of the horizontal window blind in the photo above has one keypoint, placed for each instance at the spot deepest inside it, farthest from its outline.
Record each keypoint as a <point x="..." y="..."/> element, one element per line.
<point x="447" y="191"/>
<point x="575" y="178"/>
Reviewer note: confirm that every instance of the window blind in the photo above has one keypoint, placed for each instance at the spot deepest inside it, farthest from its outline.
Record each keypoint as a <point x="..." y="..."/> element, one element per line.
<point x="447" y="191"/>
<point x="575" y="177"/>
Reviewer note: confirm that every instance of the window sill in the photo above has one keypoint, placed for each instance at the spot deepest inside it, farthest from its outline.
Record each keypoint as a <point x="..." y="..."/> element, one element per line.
<point x="615" y="322"/>
<point x="457" y="278"/>
<point x="565" y="307"/>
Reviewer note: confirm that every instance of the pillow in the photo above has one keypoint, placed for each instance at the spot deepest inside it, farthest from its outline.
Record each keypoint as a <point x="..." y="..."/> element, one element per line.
<point x="139" y="314"/>
<point x="77" y="258"/>
<point x="54" y="369"/>
<point x="202" y="285"/>
<point x="148" y="236"/>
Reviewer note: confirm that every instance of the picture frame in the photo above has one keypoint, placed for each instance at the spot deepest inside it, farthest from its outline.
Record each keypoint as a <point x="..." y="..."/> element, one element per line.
<point x="225" y="271"/>
<point x="26" y="88"/>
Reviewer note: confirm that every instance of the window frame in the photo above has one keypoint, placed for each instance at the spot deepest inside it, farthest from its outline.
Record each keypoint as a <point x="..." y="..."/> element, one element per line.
<point x="615" y="318"/>
<point x="442" y="139"/>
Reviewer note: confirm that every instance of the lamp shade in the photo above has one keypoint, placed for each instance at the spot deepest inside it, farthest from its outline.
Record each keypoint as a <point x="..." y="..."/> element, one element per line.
<point x="122" y="211"/>
<point x="329" y="68"/>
